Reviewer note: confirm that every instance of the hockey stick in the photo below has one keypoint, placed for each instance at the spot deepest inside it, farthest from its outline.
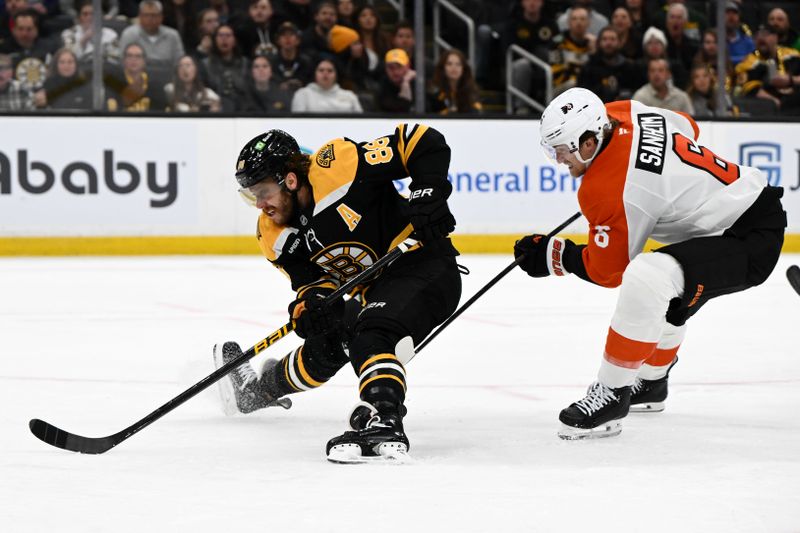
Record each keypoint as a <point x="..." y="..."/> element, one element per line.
<point x="793" y="275"/>
<point x="485" y="288"/>
<point x="59" y="438"/>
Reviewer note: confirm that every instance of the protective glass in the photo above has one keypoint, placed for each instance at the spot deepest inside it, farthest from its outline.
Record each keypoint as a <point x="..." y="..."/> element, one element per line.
<point x="259" y="192"/>
<point x="554" y="153"/>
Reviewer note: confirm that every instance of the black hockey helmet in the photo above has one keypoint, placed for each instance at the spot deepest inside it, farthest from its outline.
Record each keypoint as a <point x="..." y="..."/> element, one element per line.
<point x="265" y="156"/>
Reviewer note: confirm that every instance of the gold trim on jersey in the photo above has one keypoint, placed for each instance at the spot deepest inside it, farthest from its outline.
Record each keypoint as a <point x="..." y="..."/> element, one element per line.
<point x="407" y="140"/>
<point x="336" y="178"/>
<point x="271" y="237"/>
<point x="403" y="235"/>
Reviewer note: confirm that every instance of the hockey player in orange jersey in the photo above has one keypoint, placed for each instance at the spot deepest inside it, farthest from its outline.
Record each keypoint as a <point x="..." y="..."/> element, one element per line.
<point x="644" y="175"/>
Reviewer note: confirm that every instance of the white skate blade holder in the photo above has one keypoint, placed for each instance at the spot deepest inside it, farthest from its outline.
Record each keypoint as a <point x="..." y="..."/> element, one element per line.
<point x="394" y="453"/>
<point x="649" y="407"/>
<point x="227" y="395"/>
<point x="609" y="429"/>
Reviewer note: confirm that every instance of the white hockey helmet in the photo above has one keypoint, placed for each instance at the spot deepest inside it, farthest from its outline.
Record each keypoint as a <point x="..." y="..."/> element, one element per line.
<point x="568" y="116"/>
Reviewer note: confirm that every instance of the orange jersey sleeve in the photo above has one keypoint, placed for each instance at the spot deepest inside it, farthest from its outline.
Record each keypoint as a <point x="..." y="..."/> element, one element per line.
<point x="601" y="200"/>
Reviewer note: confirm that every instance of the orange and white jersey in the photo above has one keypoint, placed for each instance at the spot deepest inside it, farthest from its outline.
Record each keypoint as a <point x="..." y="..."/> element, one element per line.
<point x="653" y="180"/>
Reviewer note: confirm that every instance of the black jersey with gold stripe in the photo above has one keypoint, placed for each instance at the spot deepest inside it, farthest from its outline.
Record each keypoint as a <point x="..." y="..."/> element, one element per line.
<point x="357" y="214"/>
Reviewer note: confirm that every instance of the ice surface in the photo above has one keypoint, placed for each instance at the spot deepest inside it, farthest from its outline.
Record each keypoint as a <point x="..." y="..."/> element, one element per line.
<point x="92" y="345"/>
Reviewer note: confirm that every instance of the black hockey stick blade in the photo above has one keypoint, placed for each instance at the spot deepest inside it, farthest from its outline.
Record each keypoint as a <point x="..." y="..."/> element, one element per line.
<point x="65" y="440"/>
<point x="793" y="275"/>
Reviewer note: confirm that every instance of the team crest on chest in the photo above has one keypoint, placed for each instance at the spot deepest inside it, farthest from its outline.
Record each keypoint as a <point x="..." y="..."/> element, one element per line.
<point x="345" y="260"/>
<point x="325" y="156"/>
<point x="350" y="217"/>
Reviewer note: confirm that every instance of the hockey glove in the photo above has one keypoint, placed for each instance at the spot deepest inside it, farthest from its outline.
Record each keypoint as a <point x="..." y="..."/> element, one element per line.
<point x="430" y="216"/>
<point x="312" y="316"/>
<point x="541" y="256"/>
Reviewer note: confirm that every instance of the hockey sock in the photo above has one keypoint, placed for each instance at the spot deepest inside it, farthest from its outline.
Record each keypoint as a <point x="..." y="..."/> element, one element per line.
<point x="382" y="379"/>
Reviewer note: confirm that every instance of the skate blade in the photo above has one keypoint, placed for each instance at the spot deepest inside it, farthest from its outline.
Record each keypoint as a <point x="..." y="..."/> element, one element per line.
<point x="225" y="386"/>
<point x="648" y="407"/>
<point x="388" y="453"/>
<point x="609" y="429"/>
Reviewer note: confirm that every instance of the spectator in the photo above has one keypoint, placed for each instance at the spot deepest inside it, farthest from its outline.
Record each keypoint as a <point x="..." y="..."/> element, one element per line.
<point x="298" y="12"/>
<point x="226" y="69"/>
<point x="351" y="58"/>
<point x="654" y="46"/>
<point x="608" y="73"/>
<point x="454" y="86"/>
<point x="779" y="19"/>
<point x="324" y="95"/>
<point x="187" y="92"/>
<point x="207" y="24"/>
<point x="371" y="35"/>
<point x="265" y="95"/>
<point x="405" y="39"/>
<point x="395" y="94"/>
<point x="659" y="93"/>
<point x="681" y="47"/>
<point x="181" y="15"/>
<point x="79" y="37"/>
<point x="65" y="88"/>
<point x="13" y="96"/>
<point x="131" y="89"/>
<point x="639" y="15"/>
<point x="571" y="50"/>
<point x="290" y="68"/>
<point x="29" y="52"/>
<point x="694" y="23"/>
<point x="162" y="45"/>
<point x="533" y="31"/>
<point x="345" y="11"/>
<point x="629" y="37"/>
<point x="253" y="34"/>
<point x="704" y="94"/>
<point x="315" y="38"/>
<point x="707" y="57"/>
<point x="740" y="42"/>
<point x="596" y="21"/>
<point x="772" y="72"/>
<point x="223" y="10"/>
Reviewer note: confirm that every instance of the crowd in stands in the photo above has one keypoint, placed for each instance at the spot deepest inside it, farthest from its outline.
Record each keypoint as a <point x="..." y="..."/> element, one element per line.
<point x="323" y="56"/>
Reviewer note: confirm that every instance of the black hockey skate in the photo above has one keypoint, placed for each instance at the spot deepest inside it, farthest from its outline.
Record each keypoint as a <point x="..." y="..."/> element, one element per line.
<point x="647" y="396"/>
<point x="241" y="390"/>
<point x="597" y="415"/>
<point x="376" y="436"/>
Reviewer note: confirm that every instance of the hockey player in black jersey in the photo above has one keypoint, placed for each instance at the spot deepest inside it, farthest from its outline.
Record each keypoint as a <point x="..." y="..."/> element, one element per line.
<point x="325" y="218"/>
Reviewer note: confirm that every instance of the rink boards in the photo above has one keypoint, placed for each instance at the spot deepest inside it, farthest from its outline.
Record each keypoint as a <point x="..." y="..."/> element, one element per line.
<point x="147" y="185"/>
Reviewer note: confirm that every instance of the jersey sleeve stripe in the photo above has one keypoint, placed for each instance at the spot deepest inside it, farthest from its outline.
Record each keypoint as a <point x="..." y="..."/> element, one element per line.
<point x="413" y="138"/>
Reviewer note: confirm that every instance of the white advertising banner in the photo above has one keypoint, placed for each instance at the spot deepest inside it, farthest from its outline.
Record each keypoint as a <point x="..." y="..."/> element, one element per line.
<point x="66" y="176"/>
<point x="132" y="176"/>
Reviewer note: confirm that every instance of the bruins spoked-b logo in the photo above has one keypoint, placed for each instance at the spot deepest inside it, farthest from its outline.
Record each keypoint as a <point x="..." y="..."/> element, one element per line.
<point x="345" y="260"/>
<point x="325" y="156"/>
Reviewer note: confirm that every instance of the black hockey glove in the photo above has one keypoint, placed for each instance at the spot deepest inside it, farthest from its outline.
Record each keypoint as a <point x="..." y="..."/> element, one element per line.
<point x="542" y="255"/>
<point x="312" y="317"/>
<point x="430" y="216"/>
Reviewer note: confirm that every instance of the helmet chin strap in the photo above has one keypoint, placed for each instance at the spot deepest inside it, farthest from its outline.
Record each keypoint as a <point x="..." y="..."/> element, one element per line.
<point x="599" y="136"/>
